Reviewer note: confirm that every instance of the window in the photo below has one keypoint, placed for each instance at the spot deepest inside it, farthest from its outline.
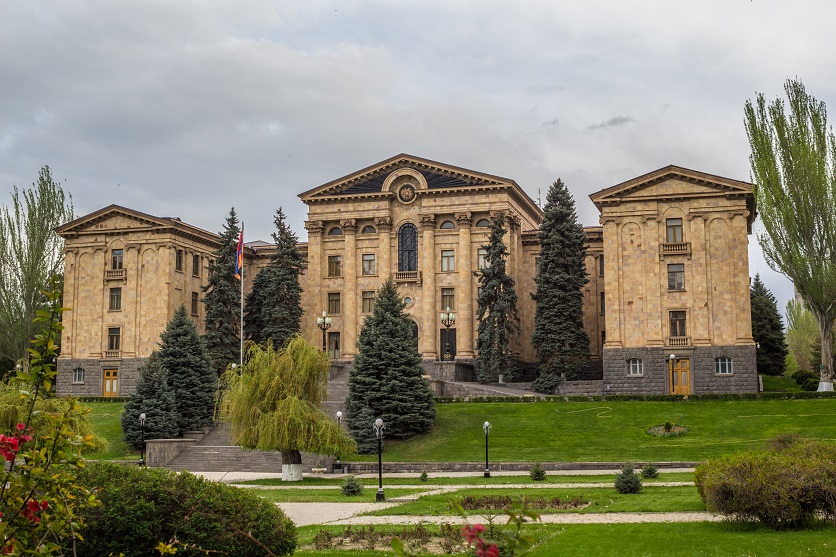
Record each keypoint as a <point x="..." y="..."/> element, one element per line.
<point x="482" y="258"/>
<point x="78" y="375"/>
<point x="483" y="223"/>
<point x="195" y="265"/>
<point x="635" y="366"/>
<point x="676" y="276"/>
<point x="115" y="299"/>
<point x="334" y="303"/>
<point x="447" y="225"/>
<point x="114" y="335"/>
<point x="448" y="260"/>
<point x="603" y="303"/>
<point x="178" y="260"/>
<point x="116" y="259"/>
<point x="195" y="301"/>
<point x="336" y="231"/>
<point x="333" y="345"/>
<point x="335" y="266"/>
<point x="677" y="323"/>
<point x="408" y="248"/>
<point x="368" y="229"/>
<point x="674" y="233"/>
<point x="368" y="264"/>
<point x="448" y="298"/>
<point x="723" y="366"/>
<point x="601" y="265"/>
<point x="368" y="301"/>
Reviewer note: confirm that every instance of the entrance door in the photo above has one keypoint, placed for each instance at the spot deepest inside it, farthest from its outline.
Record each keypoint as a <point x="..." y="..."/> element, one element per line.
<point x="680" y="376"/>
<point x="110" y="385"/>
<point x="448" y="344"/>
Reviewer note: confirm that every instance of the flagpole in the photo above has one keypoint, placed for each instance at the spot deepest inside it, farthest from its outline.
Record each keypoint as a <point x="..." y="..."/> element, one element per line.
<point x="241" y="334"/>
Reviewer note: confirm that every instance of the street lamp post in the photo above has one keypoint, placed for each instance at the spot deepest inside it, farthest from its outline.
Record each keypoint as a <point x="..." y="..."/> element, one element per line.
<point x="142" y="437"/>
<point x="487" y="427"/>
<point x="324" y="323"/>
<point x="448" y="319"/>
<point x="379" y="426"/>
<point x="338" y="465"/>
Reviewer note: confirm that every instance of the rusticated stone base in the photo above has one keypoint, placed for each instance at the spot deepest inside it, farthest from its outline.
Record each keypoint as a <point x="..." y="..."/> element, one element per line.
<point x="94" y="373"/>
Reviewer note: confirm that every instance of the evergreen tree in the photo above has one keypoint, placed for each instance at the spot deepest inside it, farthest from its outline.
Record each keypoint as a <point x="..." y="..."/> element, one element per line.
<point x="767" y="330"/>
<point x="559" y="336"/>
<point x="386" y="380"/>
<point x="274" y="306"/>
<point x="497" y="310"/>
<point x="223" y="300"/>
<point x="185" y="361"/>
<point x="155" y="399"/>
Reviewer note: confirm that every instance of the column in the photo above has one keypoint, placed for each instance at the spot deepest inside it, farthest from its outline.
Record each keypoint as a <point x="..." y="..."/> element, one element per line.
<point x="431" y="319"/>
<point x="464" y="289"/>
<point x="313" y="294"/>
<point x="384" y="250"/>
<point x="349" y="302"/>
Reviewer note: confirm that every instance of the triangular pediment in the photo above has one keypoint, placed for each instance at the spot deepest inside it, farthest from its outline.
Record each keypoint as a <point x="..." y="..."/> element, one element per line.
<point x="671" y="182"/>
<point x="372" y="179"/>
<point x="112" y="217"/>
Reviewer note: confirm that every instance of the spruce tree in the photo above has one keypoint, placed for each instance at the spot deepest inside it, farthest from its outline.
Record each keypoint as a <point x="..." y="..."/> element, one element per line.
<point x="386" y="380"/>
<point x="223" y="300"/>
<point x="559" y="336"/>
<point x="497" y="310"/>
<point x="274" y="306"/>
<point x="155" y="399"/>
<point x="767" y="330"/>
<point x="185" y="361"/>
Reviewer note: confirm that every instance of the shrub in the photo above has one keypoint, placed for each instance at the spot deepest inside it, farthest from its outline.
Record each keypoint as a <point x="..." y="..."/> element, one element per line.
<point x="650" y="471"/>
<point x="628" y="481"/>
<point x="785" y="489"/>
<point x="351" y="486"/>
<point x="537" y="473"/>
<point x="143" y="507"/>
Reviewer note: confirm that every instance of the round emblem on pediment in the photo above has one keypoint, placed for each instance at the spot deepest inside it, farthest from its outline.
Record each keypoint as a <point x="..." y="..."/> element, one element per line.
<point x="407" y="193"/>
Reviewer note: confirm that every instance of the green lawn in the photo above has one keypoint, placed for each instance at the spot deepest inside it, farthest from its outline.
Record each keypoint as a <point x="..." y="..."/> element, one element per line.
<point x="105" y="417"/>
<point x="476" y="480"/>
<point x="780" y="383"/>
<point x="610" y="431"/>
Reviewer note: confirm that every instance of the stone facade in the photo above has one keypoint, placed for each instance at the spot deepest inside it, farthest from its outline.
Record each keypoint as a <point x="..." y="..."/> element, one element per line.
<point x="673" y="243"/>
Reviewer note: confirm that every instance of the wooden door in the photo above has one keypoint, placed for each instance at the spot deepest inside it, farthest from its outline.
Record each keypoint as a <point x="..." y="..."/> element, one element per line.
<point x="680" y="376"/>
<point x="110" y="385"/>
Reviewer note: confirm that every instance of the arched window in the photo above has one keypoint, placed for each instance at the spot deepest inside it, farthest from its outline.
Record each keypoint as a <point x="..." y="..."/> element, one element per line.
<point x="368" y="229"/>
<point x="336" y="231"/>
<point x="447" y="225"/>
<point x="408" y="248"/>
<point x="484" y="223"/>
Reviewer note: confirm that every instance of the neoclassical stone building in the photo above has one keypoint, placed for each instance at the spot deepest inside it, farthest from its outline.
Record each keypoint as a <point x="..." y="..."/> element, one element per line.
<point x="668" y="274"/>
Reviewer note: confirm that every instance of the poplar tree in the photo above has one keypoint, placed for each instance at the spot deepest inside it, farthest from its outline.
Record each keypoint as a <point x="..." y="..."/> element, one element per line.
<point x="155" y="399"/>
<point x="767" y="330"/>
<point x="184" y="360"/>
<point x="223" y="300"/>
<point x="496" y="310"/>
<point x="386" y="380"/>
<point x="793" y="164"/>
<point x="273" y="308"/>
<point x="559" y="336"/>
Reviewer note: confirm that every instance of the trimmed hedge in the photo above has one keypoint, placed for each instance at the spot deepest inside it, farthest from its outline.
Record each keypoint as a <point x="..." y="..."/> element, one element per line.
<point x="144" y="506"/>
<point x="786" y="487"/>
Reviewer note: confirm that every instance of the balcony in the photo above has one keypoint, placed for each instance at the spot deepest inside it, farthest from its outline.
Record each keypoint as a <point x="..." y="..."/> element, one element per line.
<point x="679" y="341"/>
<point x="112" y="354"/>
<point x="116" y="274"/>
<point x="674" y="248"/>
<point x="408" y="276"/>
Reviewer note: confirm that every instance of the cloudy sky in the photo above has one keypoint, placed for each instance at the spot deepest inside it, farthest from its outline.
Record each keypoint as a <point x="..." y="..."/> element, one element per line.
<point x="187" y="108"/>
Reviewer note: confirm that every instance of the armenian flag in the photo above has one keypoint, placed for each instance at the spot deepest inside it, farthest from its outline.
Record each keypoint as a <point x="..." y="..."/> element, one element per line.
<point x="239" y="256"/>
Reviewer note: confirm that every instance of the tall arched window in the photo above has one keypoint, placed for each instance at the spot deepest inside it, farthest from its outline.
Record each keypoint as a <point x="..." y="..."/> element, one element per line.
<point x="408" y="248"/>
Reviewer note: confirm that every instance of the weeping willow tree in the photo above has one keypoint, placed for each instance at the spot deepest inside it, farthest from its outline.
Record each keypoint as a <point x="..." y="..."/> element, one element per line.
<point x="273" y="404"/>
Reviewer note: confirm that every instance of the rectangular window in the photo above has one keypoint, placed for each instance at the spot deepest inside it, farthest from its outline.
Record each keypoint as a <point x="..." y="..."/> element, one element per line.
<point x="448" y="298"/>
<point x="115" y="299"/>
<point x="723" y="366"/>
<point x="335" y="266"/>
<point x="635" y="366"/>
<point x="334" y="303"/>
<point x="674" y="230"/>
<point x="678" y="324"/>
<point x="114" y="335"/>
<point x="78" y="375"/>
<point x="601" y="265"/>
<point x="448" y="260"/>
<point x="333" y="345"/>
<point x="482" y="258"/>
<point x="178" y="260"/>
<point x="676" y="276"/>
<point x="116" y="259"/>
<point x="195" y="301"/>
<point x="368" y="264"/>
<point x="195" y="265"/>
<point x="368" y="301"/>
<point x="602" y="303"/>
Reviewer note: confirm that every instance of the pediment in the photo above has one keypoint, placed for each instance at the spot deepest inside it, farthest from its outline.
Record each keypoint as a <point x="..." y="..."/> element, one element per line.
<point x="112" y="217"/>
<point x="671" y="182"/>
